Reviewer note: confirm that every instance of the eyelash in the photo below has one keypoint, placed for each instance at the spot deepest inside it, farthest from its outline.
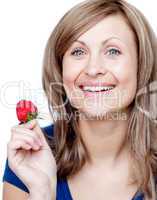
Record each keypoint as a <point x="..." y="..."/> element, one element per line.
<point x="81" y="50"/>
<point x="76" y="51"/>
<point x="115" y="50"/>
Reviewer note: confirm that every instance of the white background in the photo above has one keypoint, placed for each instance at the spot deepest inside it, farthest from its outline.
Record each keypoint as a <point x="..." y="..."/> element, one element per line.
<point x="24" y="29"/>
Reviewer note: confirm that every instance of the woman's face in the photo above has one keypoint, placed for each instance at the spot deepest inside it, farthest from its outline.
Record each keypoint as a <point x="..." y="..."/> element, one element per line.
<point x="100" y="68"/>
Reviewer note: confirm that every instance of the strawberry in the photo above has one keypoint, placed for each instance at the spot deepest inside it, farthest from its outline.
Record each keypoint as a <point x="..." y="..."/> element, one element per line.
<point x="26" y="111"/>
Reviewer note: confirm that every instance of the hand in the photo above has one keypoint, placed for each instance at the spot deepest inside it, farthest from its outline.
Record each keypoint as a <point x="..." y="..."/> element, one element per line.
<point x="30" y="157"/>
<point x="41" y="194"/>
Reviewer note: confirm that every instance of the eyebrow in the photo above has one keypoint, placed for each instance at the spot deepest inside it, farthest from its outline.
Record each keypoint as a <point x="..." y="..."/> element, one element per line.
<point x="103" y="42"/>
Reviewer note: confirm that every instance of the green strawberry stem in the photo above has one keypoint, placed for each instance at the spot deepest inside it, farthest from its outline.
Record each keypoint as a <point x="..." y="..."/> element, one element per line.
<point x="31" y="116"/>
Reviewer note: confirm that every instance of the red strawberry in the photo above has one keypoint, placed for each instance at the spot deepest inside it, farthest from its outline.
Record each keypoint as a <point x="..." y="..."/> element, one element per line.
<point x="26" y="111"/>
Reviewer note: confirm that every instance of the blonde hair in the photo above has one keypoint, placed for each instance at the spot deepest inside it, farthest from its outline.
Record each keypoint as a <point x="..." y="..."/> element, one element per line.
<point x="68" y="147"/>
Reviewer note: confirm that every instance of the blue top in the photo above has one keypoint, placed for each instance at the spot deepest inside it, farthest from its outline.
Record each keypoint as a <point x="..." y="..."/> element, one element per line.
<point x="63" y="191"/>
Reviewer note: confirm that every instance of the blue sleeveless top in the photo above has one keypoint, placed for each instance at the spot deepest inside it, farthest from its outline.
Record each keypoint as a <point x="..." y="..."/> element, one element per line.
<point x="62" y="190"/>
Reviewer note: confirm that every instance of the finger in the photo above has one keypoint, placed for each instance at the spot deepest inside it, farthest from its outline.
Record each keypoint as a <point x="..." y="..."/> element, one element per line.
<point x="18" y="145"/>
<point x="28" y="139"/>
<point x="13" y="146"/>
<point x="34" y="126"/>
<point x="28" y="125"/>
<point x="38" y="130"/>
<point x="16" y="151"/>
<point x="26" y="132"/>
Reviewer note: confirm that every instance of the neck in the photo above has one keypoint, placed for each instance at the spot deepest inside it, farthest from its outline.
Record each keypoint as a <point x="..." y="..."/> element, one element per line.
<point x="105" y="139"/>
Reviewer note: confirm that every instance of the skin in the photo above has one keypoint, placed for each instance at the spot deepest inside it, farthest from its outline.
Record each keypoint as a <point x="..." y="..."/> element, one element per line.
<point x="109" y="157"/>
<point x="31" y="159"/>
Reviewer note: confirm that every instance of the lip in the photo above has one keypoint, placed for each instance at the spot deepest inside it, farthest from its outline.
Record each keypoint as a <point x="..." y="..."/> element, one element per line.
<point x="96" y="94"/>
<point x="95" y="84"/>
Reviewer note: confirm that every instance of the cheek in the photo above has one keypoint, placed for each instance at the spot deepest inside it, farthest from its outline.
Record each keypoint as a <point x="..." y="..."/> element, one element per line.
<point x="126" y="73"/>
<point x="69" y="78"/>
<point x="71" y="71"/>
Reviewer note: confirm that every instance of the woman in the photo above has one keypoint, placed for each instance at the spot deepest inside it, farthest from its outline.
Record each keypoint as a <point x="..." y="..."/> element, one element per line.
<point x="97" y="61"/>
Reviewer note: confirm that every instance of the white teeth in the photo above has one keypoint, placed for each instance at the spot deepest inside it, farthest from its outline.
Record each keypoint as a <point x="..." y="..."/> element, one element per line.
<point x="97" y="88"/>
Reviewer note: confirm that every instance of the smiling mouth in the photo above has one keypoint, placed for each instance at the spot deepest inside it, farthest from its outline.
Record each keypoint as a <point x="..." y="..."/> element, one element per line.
<point x="98" y="89"/>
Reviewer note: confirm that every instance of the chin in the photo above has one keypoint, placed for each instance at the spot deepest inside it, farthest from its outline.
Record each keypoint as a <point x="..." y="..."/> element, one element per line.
<point x="98" y="113"/>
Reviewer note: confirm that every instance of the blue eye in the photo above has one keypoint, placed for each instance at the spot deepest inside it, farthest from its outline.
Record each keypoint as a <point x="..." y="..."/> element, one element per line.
<point x="113" y="52"/>
<point x="77" y="52"/>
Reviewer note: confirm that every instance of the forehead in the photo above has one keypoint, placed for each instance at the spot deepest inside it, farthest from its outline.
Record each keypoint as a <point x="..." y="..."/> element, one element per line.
<point x="111" y="26"/>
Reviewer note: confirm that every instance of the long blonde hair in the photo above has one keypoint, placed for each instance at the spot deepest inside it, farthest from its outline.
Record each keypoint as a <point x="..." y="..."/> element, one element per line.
<point x="68" y="147"/>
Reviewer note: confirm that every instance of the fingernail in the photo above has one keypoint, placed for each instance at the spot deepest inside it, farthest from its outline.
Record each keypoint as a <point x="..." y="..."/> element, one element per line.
<point x="31" y="123"/>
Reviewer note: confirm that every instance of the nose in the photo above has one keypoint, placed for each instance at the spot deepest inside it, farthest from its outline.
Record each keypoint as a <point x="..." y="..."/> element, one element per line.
<point x="95" y="66"/>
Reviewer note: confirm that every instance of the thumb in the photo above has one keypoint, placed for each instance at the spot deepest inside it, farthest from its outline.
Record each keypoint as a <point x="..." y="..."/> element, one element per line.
<point x="31" y="124"/>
